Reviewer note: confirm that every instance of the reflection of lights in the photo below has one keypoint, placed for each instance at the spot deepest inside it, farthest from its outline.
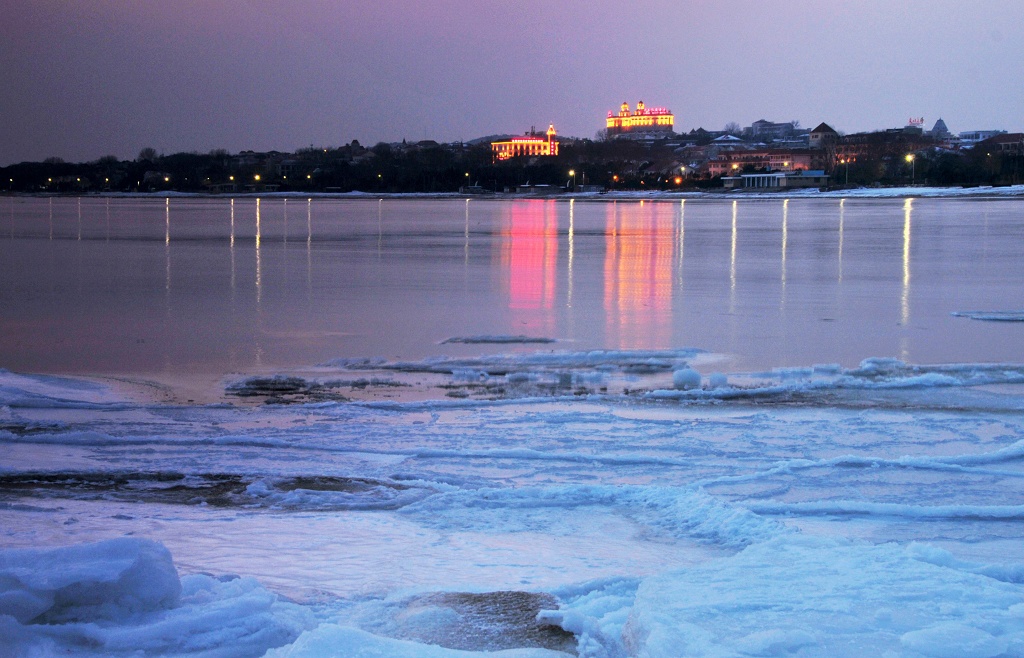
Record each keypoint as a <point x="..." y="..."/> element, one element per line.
<point x="908" y="206"/>
<point x="640" y="247"/>
<point x="232" y="248"/>
<point x="572" y="220"/>
<point x="167" y="245"/>
<point x="682" y="237"/>
<point x="785" y="238"/>
<point x="842" y="212"/>
<point x="530" y="254"/>
<point x="259" y="271"/>
<point x="529" y="259"/>
<point x="732" y="250"/>
<point x="309" y="248"/>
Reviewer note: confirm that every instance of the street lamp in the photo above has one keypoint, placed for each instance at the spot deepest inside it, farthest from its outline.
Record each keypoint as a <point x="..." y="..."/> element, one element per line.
<point x="572" y="172"/>
<point x="911" y="159"/>
<point x="846" y="161"/>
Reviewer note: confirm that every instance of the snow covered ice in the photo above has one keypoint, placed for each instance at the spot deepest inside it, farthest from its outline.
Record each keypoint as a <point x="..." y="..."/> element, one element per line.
<point x="704" y="525"/>
<point x="703" y="474"/>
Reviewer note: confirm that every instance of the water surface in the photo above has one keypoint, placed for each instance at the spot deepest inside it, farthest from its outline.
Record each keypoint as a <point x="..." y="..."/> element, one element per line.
<point x="178" y="285"/>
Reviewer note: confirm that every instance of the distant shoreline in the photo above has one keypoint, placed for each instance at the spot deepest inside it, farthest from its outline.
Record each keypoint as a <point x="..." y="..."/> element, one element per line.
<point x="1010" y="191"/>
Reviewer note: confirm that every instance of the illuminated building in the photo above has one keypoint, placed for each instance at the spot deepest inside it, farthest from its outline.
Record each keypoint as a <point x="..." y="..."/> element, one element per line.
<point x="529" y="145"/>
<point x="640" y="122"/>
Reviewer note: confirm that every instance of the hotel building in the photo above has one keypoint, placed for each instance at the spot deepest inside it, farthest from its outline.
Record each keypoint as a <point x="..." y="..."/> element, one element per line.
<point x="529" y="145"/>
<point x="642" y="122"/>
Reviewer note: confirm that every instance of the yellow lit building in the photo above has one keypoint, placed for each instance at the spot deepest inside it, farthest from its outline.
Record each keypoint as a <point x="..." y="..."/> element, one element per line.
<point x="529" y="145"/>
<point x="642" y="120"/>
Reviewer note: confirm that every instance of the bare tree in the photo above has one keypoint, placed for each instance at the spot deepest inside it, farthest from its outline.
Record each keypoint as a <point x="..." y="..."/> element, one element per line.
<point x="733" y="128"/>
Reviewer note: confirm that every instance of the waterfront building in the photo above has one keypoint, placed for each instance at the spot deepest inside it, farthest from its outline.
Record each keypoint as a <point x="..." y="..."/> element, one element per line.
<point x="642" y="123"/>
<point x="532" y="145"/>
<point x="777" y="180"/>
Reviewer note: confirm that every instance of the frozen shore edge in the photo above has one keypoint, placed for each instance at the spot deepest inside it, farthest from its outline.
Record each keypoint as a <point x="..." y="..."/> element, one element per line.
<point x="987" y="192"/>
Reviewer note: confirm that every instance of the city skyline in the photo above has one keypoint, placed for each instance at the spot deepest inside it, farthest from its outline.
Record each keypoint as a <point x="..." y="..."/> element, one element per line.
<point x="86" y="80"/>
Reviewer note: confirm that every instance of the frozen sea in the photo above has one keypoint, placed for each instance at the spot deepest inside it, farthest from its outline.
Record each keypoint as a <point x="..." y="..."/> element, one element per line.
<point x="443" y="427"/>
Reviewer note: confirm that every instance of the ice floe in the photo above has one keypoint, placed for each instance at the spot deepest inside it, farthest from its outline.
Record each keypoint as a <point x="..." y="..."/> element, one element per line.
<point x="124" y="596"/>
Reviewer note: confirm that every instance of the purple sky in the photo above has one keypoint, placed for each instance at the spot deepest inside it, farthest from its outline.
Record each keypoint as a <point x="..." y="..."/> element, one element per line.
<point x="84" y="79"/>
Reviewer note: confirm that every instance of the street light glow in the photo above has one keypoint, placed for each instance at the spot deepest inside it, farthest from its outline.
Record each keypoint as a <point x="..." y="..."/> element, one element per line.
<point x="910" y="157"/>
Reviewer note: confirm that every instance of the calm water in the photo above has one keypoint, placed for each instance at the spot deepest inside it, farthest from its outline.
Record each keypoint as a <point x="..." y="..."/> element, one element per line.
<point x="181" y="285"/>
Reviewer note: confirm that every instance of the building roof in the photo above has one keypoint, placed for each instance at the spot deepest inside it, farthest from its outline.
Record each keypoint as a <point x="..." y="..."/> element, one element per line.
<point x="1006" y="138"/>
<point x="824" y="128"/>
<point x="939" y="127"/>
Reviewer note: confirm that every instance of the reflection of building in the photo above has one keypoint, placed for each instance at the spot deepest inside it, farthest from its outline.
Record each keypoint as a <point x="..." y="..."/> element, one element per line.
<point x="529" y="258"/>
<point x="640" y="248"/>
<point x="529" y="145"/>
<point x="640" y="123"/>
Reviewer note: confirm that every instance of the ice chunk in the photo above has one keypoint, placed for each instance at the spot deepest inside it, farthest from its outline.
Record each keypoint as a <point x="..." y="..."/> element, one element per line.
<point x="123" y="597"/>
<point x="685" y="379"/>
<point x="498" y="339"/>
<point x="718" y="380"/>
<point x="108" y="579"/>
<point x="991" y="316"/>
<point x="823" y="597"/>
<point x="954" y="640"/>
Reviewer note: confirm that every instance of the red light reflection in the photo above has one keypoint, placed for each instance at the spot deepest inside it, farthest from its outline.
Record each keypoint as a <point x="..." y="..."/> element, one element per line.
<point x="639" y="251"/>
<point x="529" y="256"/>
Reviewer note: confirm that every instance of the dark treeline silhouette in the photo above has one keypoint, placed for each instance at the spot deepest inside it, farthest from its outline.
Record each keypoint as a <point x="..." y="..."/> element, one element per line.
<point x="428" y="166"/>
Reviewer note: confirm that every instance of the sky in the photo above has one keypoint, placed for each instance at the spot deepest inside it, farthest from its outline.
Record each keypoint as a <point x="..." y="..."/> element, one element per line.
<point x="80" y="80"/>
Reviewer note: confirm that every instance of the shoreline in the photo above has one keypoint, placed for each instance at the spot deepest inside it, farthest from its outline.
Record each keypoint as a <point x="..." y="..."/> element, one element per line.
<point x="985" y="192"/>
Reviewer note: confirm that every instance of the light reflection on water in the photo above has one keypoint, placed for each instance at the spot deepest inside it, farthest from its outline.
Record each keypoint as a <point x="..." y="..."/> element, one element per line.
<point x="85" y="288"/>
